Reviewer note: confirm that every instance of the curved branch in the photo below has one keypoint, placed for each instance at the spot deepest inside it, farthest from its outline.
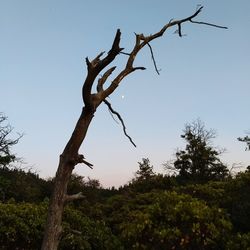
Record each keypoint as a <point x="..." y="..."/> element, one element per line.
<point x="153" y="58"/>
<point x="120" y="119"/>
<point x="103" y="79"/>
<point x="118" y="79"/>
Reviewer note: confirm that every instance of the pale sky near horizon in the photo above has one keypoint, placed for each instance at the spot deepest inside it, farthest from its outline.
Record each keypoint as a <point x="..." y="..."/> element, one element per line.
<point x="204" y="75"/>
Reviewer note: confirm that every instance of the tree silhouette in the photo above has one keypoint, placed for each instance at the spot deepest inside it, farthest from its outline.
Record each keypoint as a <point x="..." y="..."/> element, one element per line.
<point x="70" y="156"/>
<point x="199" y="162"/>
<point x="145" y="170"/>
<point x="6" y="142"/>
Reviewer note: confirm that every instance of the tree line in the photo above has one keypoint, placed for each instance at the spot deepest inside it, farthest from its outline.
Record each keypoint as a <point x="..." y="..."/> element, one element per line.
<point x="196" y="204"/>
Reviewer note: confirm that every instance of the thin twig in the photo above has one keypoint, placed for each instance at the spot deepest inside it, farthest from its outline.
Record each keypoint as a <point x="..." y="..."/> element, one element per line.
<point x="120" y="119"/>
<point x="179" y="30"/>
<point x="153" y="58"/>
<point x="209" y="24"/>
<point x="113" y="117"/>
<point x="125" y="53"/>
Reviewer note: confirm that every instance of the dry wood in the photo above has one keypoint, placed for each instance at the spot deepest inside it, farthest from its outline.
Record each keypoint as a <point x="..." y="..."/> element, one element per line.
<point x="70" y="156"/>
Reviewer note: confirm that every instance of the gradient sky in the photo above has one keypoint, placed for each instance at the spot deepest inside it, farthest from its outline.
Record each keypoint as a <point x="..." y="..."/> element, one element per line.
<point x="204" y="75"/>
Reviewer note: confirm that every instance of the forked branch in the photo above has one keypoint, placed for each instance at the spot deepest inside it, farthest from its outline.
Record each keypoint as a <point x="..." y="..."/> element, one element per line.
<point x="97" y="65"/>
<point x="142" y="40"/>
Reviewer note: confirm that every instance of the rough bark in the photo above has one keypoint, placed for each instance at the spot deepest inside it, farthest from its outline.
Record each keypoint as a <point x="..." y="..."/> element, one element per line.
<point x="67" y="162"/>
<point x="70" y="156"/>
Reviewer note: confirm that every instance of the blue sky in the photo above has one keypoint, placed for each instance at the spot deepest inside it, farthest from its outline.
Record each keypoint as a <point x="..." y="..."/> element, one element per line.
<point x="204" y="75"/>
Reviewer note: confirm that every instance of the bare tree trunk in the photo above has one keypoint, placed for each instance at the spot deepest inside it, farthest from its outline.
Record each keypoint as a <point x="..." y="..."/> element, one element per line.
<point x="54" y="228"/>
<point x="68" y="160"/>
<point x="70" y="156"/>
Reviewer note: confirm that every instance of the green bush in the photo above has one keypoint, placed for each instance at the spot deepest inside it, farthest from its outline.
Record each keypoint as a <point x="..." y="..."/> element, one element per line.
<point x="21" y="225"/>
<point x="168" y="220"/>
<point x="80" y="232"/>
<point x="240" y="241"/>
<point x="237" y="202"/>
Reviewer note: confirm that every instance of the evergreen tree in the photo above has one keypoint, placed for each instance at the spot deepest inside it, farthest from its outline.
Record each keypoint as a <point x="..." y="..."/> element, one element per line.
<point x="199" y="162"/>
<point x="145" y="170"/>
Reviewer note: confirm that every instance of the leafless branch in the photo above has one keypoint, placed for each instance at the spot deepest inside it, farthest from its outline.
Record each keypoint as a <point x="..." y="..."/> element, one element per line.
<point x="120" y="119"/>
<point x="95" y="66"/>
<point x="153" y="58"/>
<point x="209" y="24"/>
<point x="103" y="79"/>
<point x="113" y="117"/>
<point x="81" y="159"/>
<point x="124" y="53"/>
<point x="141" y="41"/>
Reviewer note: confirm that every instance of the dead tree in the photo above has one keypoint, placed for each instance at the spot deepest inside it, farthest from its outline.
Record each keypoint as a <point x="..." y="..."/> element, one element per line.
<point x="70" y="156"/>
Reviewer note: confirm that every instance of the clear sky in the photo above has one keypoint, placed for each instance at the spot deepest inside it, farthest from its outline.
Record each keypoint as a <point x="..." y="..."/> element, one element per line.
<point x="204" y="75"/>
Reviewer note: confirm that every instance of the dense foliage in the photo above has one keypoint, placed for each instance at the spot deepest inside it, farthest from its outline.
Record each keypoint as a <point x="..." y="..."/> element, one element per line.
<point x="168" y="220"/>
<point x="162" y="215"/>
<point x="21" y="227"/>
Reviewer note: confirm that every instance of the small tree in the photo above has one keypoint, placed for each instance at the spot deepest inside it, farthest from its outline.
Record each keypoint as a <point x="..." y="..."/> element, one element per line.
<point x="92" y="100"/>
<point x="6" y="142"/>
<point x="199" y="162"/>
<point x="145" y="170"/>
